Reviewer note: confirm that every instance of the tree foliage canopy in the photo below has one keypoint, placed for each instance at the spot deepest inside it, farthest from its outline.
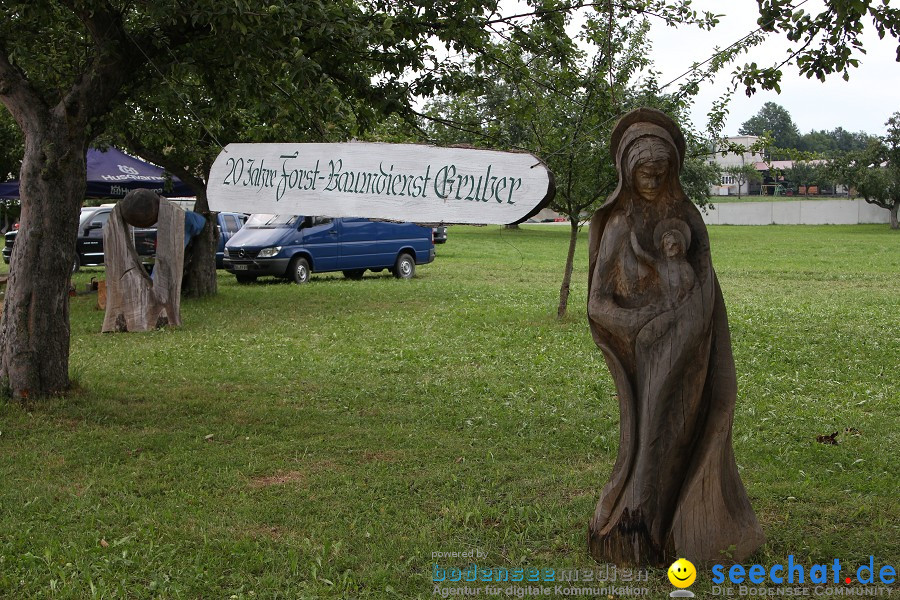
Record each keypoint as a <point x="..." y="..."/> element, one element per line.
<point x="834" y="142"/>
<point x="828" y="41"/>
<point x="875" y="170"/>
<point x="805" y="173"/>
<point x="10" y="146"/>
<point x="775" y="120"/>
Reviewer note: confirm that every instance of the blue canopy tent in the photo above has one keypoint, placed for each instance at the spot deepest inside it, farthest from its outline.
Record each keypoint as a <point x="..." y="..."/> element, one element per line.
<point x="112" y="174"/>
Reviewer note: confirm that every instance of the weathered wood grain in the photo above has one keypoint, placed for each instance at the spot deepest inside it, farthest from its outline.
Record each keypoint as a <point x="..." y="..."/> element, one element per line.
<point x="400" y="182"/>
<point x="134" y="301"/>
<point x="656" y="311"/>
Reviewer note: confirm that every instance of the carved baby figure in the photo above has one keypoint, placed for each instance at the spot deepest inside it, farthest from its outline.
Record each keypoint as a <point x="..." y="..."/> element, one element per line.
<point x="676" y="275"/>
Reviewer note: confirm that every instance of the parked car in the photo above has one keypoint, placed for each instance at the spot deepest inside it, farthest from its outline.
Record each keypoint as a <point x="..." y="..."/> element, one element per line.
<point x="89" y="245"/>
<point x="294" y="246"/>
<point x="440" y="234"/>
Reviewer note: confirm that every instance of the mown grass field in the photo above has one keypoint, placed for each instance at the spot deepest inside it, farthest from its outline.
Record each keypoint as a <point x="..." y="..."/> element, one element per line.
<point x="324" y="440"/>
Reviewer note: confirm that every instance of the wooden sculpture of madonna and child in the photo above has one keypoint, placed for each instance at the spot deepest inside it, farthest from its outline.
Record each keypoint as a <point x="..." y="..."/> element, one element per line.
<point x="656" y="311"/>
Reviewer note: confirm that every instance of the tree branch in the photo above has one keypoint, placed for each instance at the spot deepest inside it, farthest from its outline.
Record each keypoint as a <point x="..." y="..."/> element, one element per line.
<point x="17" y="94"/>
<point x="572" y="7"/>
<point x="882" y="203"/>
<point x="109" y="67"/>
<point x="117" y="57"/>
<point x="183" y="173"/>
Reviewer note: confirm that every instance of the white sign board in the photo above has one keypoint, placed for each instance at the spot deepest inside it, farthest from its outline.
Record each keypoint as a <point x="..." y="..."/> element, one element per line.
<point x="400" y="182"/>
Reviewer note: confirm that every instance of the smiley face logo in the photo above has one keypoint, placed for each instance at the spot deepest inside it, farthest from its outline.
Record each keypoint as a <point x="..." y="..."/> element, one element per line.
<point x="682" y="573"/>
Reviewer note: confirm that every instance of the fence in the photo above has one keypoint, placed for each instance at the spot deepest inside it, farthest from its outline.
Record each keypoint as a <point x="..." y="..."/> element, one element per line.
<point x="796" y="212"/>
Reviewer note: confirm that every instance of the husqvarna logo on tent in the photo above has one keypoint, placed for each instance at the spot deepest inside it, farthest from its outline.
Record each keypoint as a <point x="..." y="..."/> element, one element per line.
<point x="128" y="170"/>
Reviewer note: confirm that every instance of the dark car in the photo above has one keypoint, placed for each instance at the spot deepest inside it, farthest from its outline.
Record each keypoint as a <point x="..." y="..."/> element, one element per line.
<point x="89" y="245"/>
<point x="440" y="234"/>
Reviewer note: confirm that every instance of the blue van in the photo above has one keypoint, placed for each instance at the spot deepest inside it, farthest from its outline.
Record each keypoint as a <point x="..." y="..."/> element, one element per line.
<point x="293" y="246"/>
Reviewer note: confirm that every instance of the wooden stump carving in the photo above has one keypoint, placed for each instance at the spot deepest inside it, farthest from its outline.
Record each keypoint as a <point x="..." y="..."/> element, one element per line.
<point x="134" y="301"/>
<point x="656" y="311"/>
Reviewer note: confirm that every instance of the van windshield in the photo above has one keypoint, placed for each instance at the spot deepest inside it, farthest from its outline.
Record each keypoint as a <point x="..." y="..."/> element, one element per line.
<point x="262" y="221"/>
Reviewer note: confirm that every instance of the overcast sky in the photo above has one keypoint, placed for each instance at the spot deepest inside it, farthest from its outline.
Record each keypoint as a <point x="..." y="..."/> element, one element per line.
<point x="862" y="104"/>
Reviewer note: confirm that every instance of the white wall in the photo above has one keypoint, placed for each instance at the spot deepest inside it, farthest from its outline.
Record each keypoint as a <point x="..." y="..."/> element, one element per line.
<point x="796" y="212"/>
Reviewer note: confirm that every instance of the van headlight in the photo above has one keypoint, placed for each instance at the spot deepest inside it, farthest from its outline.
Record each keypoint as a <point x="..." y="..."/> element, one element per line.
<point x="269" y="252"/>
<point x="226" y="254"/>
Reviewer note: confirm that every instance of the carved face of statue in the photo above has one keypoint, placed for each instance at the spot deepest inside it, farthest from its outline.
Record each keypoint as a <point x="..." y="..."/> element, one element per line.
<point x="650" y="179"/>
<point x="673" y="244"/>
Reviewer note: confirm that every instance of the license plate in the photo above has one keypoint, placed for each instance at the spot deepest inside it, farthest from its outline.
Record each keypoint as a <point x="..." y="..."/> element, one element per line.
<point x="240" y="267"/>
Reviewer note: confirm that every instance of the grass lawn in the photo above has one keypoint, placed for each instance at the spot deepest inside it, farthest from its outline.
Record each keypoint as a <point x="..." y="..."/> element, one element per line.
<point x="324" y="440"/>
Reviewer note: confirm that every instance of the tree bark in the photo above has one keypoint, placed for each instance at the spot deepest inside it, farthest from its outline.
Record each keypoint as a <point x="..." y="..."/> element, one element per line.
<point x="894" y="224"/>
<point x="567" y="275"/>
<point x="34" y="328"/>
<point x="200" y="279"/>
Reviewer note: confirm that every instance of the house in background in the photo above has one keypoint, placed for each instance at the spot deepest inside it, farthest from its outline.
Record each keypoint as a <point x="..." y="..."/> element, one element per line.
<point x="729" y="185"/>
<point x="776" y="175"/>
<point x="777" y="180"/>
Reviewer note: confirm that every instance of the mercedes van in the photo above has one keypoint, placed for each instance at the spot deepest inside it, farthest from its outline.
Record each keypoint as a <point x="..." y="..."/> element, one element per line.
<point x="295" y="246"/>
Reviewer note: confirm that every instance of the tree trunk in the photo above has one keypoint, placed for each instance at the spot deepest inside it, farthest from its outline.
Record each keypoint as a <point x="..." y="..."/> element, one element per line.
<point x="894" y="208"/>
<point x="135" y="302"/>
<point x="34" y="328"/>
<point x="200" y="278"/>
<point x="567" y="276"/>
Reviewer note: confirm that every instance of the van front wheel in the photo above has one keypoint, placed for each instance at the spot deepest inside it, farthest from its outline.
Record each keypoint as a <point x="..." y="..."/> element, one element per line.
<point x="405" y="267"/>
<point x="299" y="270"/>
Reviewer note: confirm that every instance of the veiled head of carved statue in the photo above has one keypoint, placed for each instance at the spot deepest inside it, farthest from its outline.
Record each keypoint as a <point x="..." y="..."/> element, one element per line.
<point x="649" y="164"/>
<point x="649" y="150"/>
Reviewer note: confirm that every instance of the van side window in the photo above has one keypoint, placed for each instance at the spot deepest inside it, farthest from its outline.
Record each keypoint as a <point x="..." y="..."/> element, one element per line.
<point x="231" y="224"/>
<point x="321" y="221"/>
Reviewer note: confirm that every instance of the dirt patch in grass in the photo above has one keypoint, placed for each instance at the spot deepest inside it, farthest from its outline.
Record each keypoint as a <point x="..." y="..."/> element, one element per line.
<point x="389" y="456"/>
<point x="279" y="478"/>
<point x="572" y="494"/>
<point x="284" y="477"/>
<point x="263" y="531"/>
<point x="69" y="424"/>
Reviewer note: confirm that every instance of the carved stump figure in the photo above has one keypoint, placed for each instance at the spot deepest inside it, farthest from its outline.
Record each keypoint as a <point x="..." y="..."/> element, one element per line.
<point x="656" y="311"/>
<point x="135" y="301"/>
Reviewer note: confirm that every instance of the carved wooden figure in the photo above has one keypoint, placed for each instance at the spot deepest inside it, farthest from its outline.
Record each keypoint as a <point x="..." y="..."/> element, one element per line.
<point x="135" y="301"/>
<point x="656" y="311"/>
